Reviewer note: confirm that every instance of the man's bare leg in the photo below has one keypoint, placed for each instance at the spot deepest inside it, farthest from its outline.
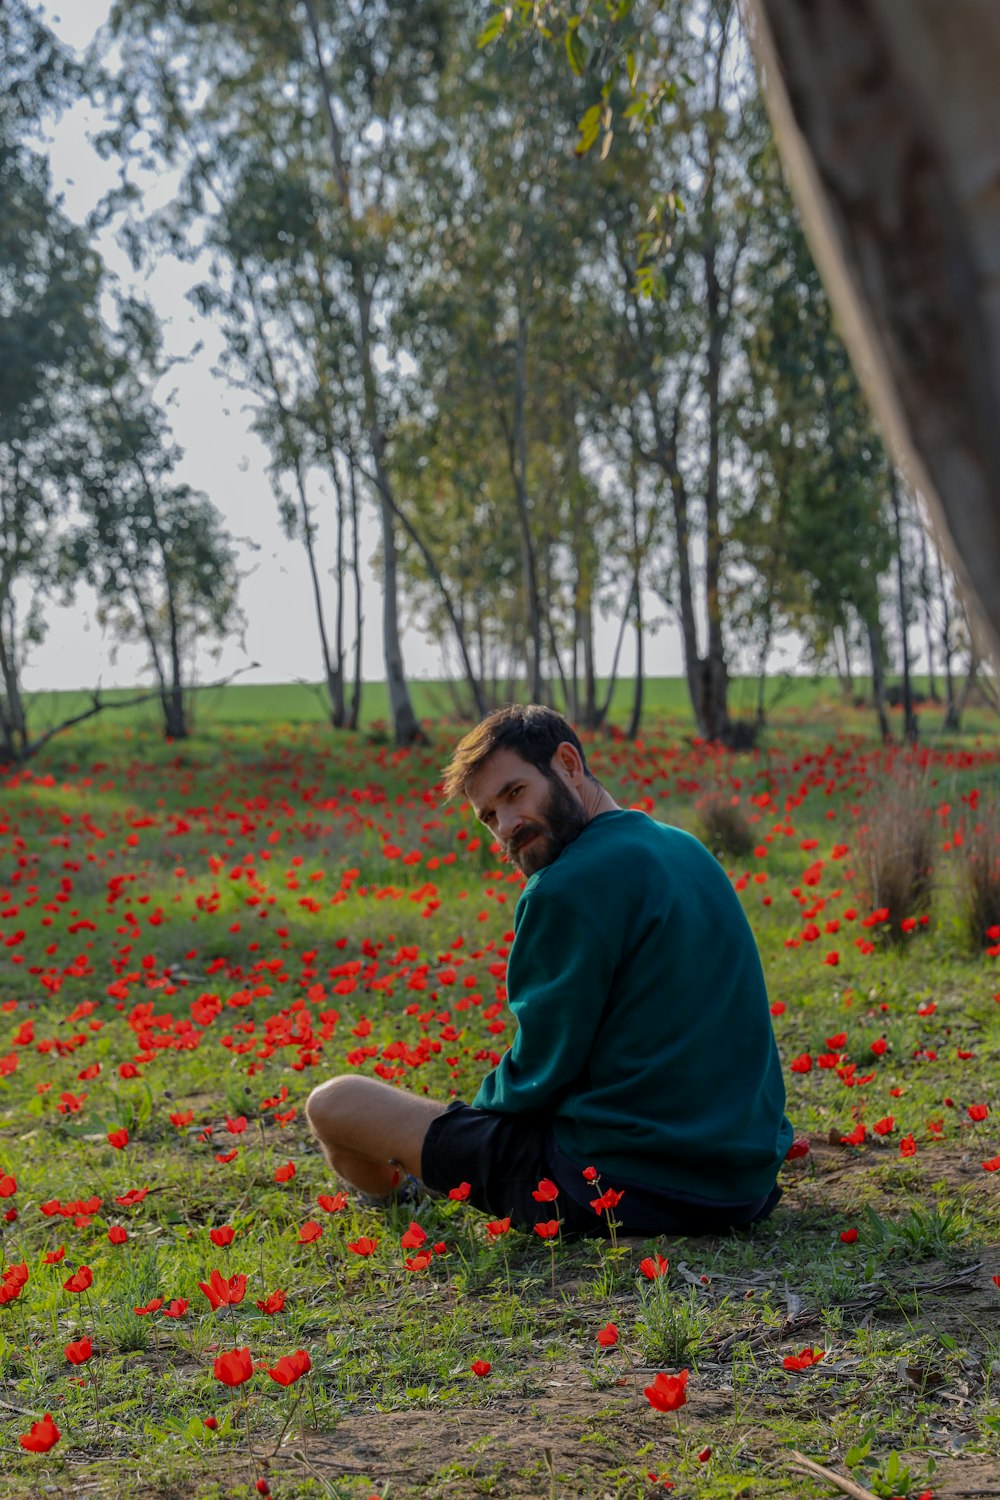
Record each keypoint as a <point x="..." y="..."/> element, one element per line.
<point x="371" y="1133"/>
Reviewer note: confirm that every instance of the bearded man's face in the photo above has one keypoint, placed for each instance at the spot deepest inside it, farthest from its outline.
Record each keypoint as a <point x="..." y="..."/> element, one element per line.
<point x="531" y="812"/>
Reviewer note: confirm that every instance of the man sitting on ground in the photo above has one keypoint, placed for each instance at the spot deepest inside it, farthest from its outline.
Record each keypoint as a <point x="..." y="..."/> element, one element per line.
<point x="644" y="1047"/>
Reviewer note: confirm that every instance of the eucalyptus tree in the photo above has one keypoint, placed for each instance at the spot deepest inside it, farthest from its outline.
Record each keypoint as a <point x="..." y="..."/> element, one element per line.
<point x="50" y="280"/>
<point x="161" y="560"/>
<point x="325" y="92"/>
<point x="505" y="339"/>
<point x="676" y="355"/>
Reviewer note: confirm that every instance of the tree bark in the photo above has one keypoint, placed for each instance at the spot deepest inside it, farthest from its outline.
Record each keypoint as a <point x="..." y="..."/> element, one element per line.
<point x="885" y="116"/>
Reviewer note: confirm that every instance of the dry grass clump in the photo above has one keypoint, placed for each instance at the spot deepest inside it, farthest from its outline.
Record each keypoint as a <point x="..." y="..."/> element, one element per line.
<point x="896" y="854"/>
<point x="723" y="828"/>
<point x="979" y="876"/>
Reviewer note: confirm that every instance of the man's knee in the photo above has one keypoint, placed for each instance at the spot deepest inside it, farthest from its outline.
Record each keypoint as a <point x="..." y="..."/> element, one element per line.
<point x="335" y="1102"/>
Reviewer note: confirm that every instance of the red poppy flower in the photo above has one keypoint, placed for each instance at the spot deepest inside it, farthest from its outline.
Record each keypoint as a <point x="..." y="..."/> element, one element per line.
<point x="8" y="1185"/>
<point x="118" y="1139"/>
<point x="53" y="1257"/>
<point x="480" y="1368"/>
<point x="117" y="1235"/>
<point x="222" y="1292"/>
<point x="546" y="1191"/>
<point x="152" y="1306"/>
<point x="497" y="1227"/>
<point x="978" y="1112"/>
<point x="226" y="1156"/>
<point x="43" y="1436"/>
<point x="460" y="1193"/>
<point x="222" y="1236"/>
<point x="310" y="1231"/>
<point x="414" y="1237"/>
<point x="667" y="1392"/>
<point x="654" y="1266"/>
<point x="79" y="1352"/>
<point x="129" y="1199"/>
<point x="590" y="1174"/>
<point x="419" y="1262"/>
<point x="182" y="1117"/>
<point x="176" y="1308"/>
<point x="275" y="1303"/>
<point x="234" y="1366"/>
<point x="331" y="1203"/>
<point x="290" y="1367"/>
<point x="363" y="1245"/>
<point x="607" y="1336"/>
<point x="804" y="1360"/>
<point x="80" y="1280"/>
<point x="285" y="1173"/>
<point x="549" y="1229"/>
<point x="799" y="1147"/>
<point x="608" y="1200"/>
<point x="848" y="1236"/>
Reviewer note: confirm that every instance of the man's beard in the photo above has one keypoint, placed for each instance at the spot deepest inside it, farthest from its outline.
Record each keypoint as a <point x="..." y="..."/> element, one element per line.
<point x="538" y="842"/>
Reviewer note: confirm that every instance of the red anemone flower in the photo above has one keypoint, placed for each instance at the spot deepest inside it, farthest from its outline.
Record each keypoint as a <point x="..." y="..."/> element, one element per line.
<point x="43" y="1435"/>
<point x="222" y="1291"/>
<point x="290" y="1367"/>
<point x="667" y="1392"/>
<point x="234" y="1366"/>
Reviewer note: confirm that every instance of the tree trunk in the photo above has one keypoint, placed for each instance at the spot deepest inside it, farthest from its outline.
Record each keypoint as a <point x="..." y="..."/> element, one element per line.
<point x="636" y="717"/>
<point x="354" y="710"/>
<point x="714" y="676"/>
<point x="886" y="118"/>
<point x="13" y="725"/>
<point x="926" y="590"/>
<point x="910" y="728"/>
<point x="404" y="720"/>
<point x="878" y="679"/>
<point x="407" y="730"/>
<point x="519" y="471"/>
<point x="951" y="718"/>
<point x="589" y="711"/>
<point x="602" y="711"/>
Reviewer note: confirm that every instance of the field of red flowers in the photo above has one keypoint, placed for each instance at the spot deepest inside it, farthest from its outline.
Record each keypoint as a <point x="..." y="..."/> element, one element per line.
<point x="192" y="937"/>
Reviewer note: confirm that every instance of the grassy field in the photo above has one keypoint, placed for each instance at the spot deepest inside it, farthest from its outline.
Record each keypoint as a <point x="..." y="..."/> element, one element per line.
<point x="303" y="703"/>
<point x="191" y="936"/>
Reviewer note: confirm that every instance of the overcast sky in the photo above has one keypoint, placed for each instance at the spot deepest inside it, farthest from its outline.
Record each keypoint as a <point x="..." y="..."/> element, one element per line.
<point x="225" y="460"/>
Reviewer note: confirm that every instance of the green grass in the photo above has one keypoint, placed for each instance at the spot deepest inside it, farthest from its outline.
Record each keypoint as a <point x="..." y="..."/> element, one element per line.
<point x="304" y="703"/>
<point x="250" y="861"/>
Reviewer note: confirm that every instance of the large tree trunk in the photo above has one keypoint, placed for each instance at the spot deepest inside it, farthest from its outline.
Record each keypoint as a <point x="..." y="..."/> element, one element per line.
<point x="888" y="121"/>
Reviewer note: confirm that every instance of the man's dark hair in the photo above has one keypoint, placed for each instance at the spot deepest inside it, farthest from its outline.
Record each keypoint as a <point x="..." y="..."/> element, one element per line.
<point x="532" y="730"/>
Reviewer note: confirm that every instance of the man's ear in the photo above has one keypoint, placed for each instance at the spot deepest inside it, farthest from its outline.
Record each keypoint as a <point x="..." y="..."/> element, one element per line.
<point x="567" y="760"/>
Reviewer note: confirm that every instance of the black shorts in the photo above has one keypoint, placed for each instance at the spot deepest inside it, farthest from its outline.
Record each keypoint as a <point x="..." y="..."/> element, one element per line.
<point x="504" y="1157"/>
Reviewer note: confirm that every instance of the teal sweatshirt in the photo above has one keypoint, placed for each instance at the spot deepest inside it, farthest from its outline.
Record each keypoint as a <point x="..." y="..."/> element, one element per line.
<point x="643" y="1023"/>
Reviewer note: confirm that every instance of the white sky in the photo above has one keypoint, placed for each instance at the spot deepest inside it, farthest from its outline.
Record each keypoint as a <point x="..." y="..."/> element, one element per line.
<point x="226" y="461"/>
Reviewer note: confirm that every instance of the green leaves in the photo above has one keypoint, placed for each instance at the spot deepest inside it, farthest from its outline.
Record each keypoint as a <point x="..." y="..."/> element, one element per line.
<point x="589" y="128"/>
<point x="494" y="27"/>
<point x="577" y="49"/>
